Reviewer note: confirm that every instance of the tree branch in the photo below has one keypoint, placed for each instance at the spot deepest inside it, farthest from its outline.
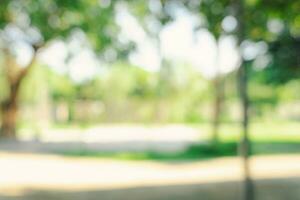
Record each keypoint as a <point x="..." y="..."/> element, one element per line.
<point x="16" y="83"/>
<point x="28" y="67"/>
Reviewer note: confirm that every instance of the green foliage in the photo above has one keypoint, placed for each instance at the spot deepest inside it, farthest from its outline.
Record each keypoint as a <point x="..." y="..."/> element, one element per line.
<point x="262" y="94"/>
<point x="89" y="90"/>
<point x="61" y="87"/>
<point x="123" y="88"/>
<point x="46" y="20"/>
<point x="285" y="64"/>
<point x="275" y="22"/>
<point x="34" y="85"/>
<point x="177" y="92"/>
<point x="289" y="91"/>
<point x="194" y="152"/>
<point x="3" y="86"/>
<point x="144" y="84"/>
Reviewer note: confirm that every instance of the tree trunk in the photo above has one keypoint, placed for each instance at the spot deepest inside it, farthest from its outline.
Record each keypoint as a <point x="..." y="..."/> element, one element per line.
<point x="243" y="90"/>
<point x="9" y="108"/>
<point x="9" y="119"/>
<point x="245" y="145"/>
<point x="219" y="90"/>
<point x="218" y="101"/>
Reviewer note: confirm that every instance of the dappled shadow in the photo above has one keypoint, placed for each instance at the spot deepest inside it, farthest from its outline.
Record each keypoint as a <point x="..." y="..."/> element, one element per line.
<point x="275" y="147"/>
<point x="268" y="189"/>
<point x="65" y="147"/>
<point x="143" y="150"/>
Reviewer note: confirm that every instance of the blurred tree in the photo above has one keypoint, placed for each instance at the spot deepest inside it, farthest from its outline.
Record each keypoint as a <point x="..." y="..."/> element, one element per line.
<point x="215" y="12"/>
<point x="153" y="16"/>
<point x="61" y="87"/>
<point x="271" y="17"/>
<point x="143" y="86"/>
<point x="284" y="64"/>
<point x="214" y="17"/>
<point x="33" y="25"/>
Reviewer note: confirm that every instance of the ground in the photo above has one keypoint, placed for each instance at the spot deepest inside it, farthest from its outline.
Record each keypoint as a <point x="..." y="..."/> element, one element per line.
<point x="39" y="170"/>
<point x="47" y="177"/>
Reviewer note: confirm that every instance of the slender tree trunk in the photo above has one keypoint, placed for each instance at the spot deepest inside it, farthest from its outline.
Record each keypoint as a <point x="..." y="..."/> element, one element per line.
<point x="217" y="108"/>
<point x="245" y="145"/>
<point x="9" y="119"/>
<point x="218" y="101"/>
<point x="243" y="90"/>
<point x="9" y="108"/>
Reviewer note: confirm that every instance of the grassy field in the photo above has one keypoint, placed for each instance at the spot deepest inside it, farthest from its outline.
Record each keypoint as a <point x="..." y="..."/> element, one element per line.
<point x="266" y="137"/>
<point x="281" y="131"/>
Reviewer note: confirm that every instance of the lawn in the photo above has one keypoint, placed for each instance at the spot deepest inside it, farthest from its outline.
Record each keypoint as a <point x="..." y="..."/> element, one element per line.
<point x="266" y="137"/>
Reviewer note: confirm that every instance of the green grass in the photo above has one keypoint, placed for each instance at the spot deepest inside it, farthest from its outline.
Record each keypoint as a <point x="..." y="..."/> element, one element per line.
<point x="194" y="152"/>
<point x="266" y="137"/>
<point x="281" y="131"/>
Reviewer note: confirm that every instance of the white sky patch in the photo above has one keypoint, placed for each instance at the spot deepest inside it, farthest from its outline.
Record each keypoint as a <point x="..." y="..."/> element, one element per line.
<point x="130" y="27"/>
<point x="23" y="53"/>
<point x="176" y="39"/>
<point x="251" y="50"/>
<point x="83" y="66"/>
<point x="229" y="23"/>
<point x="212" y="57"/>
<point x="179" y="43"/>
<point x="204" y="53"/>
<point x="229" y="57"/>
<point x="146" y="56"/>
<point x="54" y="56"/>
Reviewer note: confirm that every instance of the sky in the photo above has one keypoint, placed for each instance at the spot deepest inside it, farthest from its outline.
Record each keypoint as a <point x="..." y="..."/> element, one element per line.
<point x="178" y="43"/>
